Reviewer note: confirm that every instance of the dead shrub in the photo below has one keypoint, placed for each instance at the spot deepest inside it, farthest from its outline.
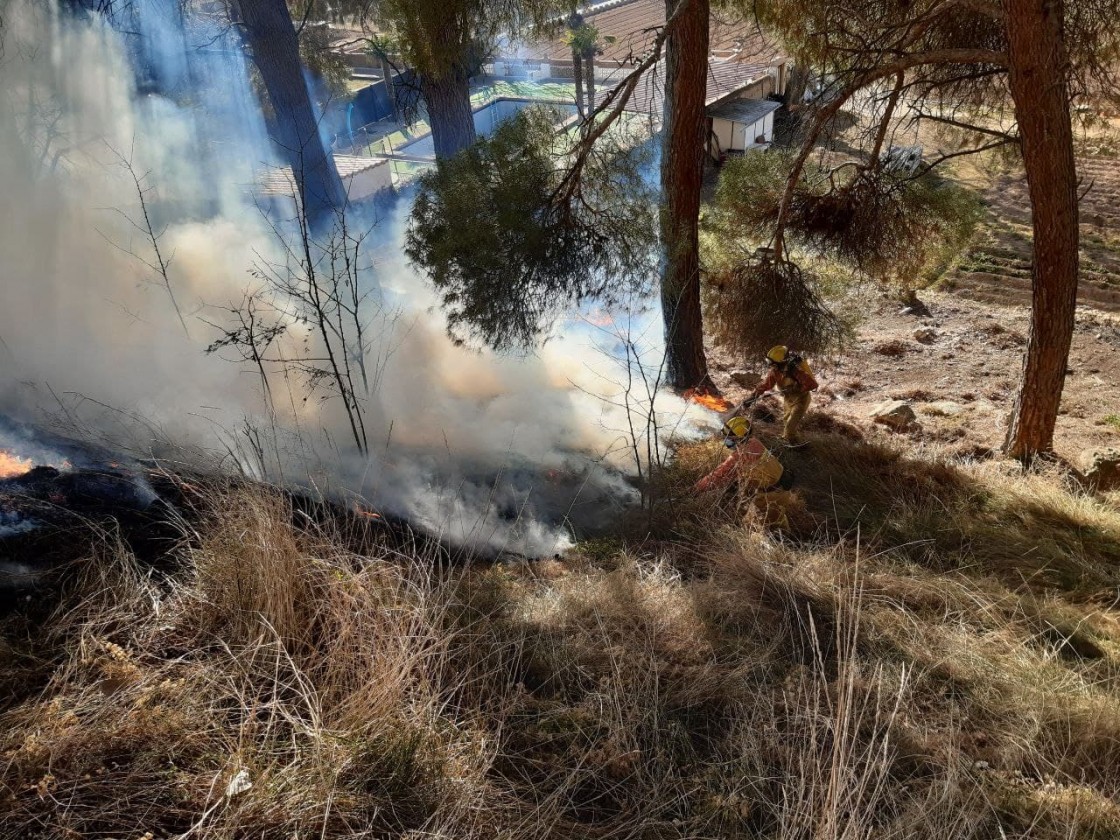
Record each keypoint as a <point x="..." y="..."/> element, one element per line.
<point x="886" y="225"/>
<point x="913" y="395"/>
<point x="760" y="302"/>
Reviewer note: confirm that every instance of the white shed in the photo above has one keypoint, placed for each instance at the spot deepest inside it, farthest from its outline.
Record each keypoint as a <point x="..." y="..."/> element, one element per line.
<point x="739" y="125"/>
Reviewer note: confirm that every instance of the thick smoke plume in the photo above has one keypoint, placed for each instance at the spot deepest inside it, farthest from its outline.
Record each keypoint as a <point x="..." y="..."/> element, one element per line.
<point x="497" y="451"/>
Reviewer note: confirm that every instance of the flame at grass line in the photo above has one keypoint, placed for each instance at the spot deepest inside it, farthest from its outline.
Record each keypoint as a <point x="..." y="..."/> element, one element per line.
<point x="709" y="401"/>
<point x="12" y="465"/>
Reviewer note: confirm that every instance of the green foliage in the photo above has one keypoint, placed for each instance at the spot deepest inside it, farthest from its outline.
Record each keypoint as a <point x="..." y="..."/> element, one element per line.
<point x="507" y="252"/>
<point x="443" y="37"/>
<point x="316" y="54"/>
<point x="891" y="227"/>
<point x="584" y="39"/>
<point x="750" y="191"/>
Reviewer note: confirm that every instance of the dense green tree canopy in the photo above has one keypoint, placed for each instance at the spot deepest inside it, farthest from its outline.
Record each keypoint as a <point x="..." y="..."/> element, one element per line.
<point x="506" y="255"/>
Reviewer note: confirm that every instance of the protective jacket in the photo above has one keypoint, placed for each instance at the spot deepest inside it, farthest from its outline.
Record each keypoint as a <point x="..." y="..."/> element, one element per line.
<point x="790" y="378"/>
<point x="751" y="463"/>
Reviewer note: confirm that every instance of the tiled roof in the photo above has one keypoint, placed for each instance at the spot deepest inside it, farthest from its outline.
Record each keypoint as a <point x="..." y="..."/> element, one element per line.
<point x="632" y="23"/>
<point x="278" y="180"/>
<point x="724" y="78"/>
<point x="743" y="110"/>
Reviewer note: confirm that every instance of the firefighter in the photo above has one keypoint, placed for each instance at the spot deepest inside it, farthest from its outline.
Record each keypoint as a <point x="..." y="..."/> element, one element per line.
<point x="794" y="379"/>
<point x="749" y="462"/>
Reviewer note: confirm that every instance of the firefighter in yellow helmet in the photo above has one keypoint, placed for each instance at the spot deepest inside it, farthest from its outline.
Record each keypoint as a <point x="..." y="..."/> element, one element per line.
<point x="749" y="462"/>
<point x="794" y="380"/>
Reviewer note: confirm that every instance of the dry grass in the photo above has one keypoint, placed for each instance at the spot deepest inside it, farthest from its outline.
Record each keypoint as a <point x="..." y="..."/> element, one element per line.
<point x="934" y="654"/>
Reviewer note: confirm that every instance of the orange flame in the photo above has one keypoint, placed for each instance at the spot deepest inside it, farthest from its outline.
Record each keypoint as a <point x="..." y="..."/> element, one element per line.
<point x="12" y="465"/>
<point x="709" y="401"/>
<point x="368" y="514"/>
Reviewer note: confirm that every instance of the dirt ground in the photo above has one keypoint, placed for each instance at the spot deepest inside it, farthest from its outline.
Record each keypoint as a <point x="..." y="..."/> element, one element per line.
<point x="961" y="379"/>
<point x="961" y="384"/>
<point x="997" y="266"/>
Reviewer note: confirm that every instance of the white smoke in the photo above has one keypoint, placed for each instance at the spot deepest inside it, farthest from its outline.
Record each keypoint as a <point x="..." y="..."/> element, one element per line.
<point x="463" y="442"/>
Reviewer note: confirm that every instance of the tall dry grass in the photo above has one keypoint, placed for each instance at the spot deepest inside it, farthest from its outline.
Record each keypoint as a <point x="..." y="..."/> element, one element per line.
<point x="829" y="684"/>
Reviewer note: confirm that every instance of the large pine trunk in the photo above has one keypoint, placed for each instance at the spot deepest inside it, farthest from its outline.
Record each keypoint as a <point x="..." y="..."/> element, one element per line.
<point x="448" y="98"/>
<point x="796" y="82"/>
<point x="1037" y="79"/>
<point x="272" y="37"/>
<point x="682" y="173"/>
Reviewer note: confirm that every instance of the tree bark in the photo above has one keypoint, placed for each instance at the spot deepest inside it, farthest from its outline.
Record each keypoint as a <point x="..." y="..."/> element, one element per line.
<point x="390" y="87"/>
<point x="682" y="172"/>
<point x="589" y="75"/>
<point x="272" y="38"/>
<point x="577" y="71"/>
<point x="449" y="111"/>
<point x="1037" y="80"/>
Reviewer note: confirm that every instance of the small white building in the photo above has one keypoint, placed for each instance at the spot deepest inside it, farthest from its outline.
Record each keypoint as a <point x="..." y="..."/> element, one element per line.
<point x="740" y="125"/>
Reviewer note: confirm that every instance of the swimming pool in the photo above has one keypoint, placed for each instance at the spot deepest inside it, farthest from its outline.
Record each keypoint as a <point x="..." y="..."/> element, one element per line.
<point x="486" y="119"/>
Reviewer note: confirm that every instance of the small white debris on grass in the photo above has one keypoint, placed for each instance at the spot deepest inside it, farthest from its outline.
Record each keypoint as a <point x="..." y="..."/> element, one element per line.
<point x="239" y="783"/>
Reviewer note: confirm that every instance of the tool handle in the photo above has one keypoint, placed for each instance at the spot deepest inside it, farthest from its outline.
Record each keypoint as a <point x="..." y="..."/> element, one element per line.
<point x="745" y="403"/>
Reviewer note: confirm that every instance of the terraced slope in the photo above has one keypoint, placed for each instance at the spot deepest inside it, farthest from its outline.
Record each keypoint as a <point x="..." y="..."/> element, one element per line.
<point x="997" y="268"/>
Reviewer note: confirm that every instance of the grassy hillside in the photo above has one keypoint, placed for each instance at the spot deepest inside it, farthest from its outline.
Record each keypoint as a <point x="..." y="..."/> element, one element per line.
<point x="930" y="651"/>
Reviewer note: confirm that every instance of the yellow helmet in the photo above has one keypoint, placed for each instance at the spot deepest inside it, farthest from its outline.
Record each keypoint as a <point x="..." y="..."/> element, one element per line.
<point x="778" y="354"/>
<point x="737" y="427"/>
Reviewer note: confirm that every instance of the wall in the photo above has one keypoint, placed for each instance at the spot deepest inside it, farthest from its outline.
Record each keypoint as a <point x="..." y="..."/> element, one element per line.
<point x="369" y="181"/>
<point x="736" y="136"/>
<point x="371" y="104"/>
<point x="723" y="132"/>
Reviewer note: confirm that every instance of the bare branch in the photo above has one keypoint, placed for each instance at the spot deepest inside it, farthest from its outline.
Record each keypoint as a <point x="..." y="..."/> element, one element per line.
<point x="946" y="56"/>
<point x="161" y="263"/>
<point x="1002" y="135"/>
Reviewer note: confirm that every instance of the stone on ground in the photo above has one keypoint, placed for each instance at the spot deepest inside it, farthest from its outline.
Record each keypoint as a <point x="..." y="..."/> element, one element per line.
<point x="945" y="408"/>
<point x="895" y="414"/>
<point x="1102" y="468"/>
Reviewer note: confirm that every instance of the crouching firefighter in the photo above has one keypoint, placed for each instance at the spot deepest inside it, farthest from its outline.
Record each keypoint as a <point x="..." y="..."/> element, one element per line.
<point x="749" y="462"/>
<point x="794" y="379"/>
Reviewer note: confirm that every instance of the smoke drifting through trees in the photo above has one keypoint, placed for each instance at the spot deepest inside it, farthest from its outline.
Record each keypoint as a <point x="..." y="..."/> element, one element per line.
<point x="457" y="439"/>
<point x="272" y="36"/>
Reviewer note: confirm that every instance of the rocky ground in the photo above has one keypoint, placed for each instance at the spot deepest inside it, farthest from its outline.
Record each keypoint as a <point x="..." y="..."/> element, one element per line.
<point x="958" y="365"/>
<point x="958" y="368"/>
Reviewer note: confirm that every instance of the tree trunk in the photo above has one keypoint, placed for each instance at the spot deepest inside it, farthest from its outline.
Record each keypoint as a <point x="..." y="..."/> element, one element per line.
<point x="796" y="82"/>
<point x="589" y="73"/>
<point x="272" y="37"/>
<point x="577" y="71"/>
<point x="449" y="112"/>
<point x="390" y="87"/>
<point x="682" y="171"/>
<point x="1037" y="79"/>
